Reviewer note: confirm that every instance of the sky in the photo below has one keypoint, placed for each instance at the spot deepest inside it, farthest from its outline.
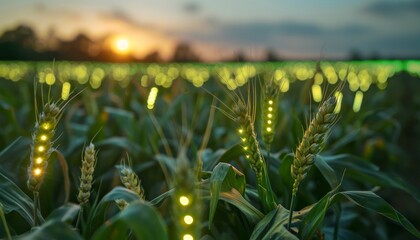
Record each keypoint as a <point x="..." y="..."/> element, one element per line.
<point x="219" y="29"/>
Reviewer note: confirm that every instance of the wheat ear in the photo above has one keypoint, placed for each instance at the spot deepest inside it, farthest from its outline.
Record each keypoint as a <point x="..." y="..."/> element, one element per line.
<point x="270" y="104"/>
<point x="132" y="182"/>
<point x="42" y="141"/>
<point x="86" y="178"/>
<point x="311" y="144"/>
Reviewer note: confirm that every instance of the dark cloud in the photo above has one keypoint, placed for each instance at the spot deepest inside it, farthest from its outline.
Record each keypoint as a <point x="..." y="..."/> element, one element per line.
<point x="393" y="8"/>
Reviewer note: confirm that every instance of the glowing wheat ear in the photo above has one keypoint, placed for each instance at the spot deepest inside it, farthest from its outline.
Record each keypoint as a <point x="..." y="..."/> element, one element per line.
<point x="42" y="140"/>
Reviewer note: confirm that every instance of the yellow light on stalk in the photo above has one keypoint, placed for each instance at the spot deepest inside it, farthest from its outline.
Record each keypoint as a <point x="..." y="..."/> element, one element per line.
<point x="65" y="91"/>
<point x="316" y="93"/>
<point x="243" y="139"/>
<point x="269" y="129"/>
<point x="184" y="200"/>
<point x="37" y="171"/>
<point x="241" y="131"/>
<point x="358" y="98"/>
<point x="38" y="160"/>
<point x="269" y="115"/>
<point x="339" y="96"/>
<point x="270" y="102"/>
<point x="41" y="148"/>
<point x="247" y="156"/>
<point x="270" y="109"/>
<point x="187" y="237"/>
<point x="269" y="121"/>
<point x="188" y="219"/>
<point x="245" y="148"/>
<point x="46" y="126"/>
<point x="43" y="137"/>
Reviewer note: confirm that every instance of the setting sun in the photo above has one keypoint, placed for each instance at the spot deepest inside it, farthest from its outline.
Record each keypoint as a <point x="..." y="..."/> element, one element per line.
<point x="122" y="45"/>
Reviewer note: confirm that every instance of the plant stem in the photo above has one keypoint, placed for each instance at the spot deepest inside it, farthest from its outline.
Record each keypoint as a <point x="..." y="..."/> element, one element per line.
<point x="36" y="203"/>
<point x="337" y="221"/>
<point x="268" y="158"/>
<point x="80" y="215"/>
<point x="292" y="206"/>
<point x="3" y="219"/>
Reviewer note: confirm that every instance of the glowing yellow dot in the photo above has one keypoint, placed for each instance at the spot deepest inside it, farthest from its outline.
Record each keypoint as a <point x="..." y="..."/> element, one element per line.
<point x="269" y="129"/>
<point x="270" y="102"/>
<point x="41" y="148"/>
<point x="188" y="219"/>
<point x="46" y="126"/>
<point x="247" y="156"/>
<point x="241" y="131"/>
<point x="184" y="200"/>
<point x="270" y="109"/>
<point x="43" y="137"/>
<point x="269" y="115"/>
<point x="187" y="237"/>
<point x="245" y="148"/>
<point x="38" y="160"/>
<point x="37" y="171"/>
<point x="243" y="139"/>
<point x="269" y="121"/>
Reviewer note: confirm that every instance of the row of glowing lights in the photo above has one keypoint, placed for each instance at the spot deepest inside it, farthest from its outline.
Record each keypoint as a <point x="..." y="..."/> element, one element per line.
<point x="270" y="115"/>
<point x="188" y="219"/>
<point x="39" y="160"/>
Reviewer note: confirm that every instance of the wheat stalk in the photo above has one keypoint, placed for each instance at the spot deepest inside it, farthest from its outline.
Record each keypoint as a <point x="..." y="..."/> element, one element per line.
<point x="42" y="142"/>
<point x="270" y="104"/>
<point x="311" y="144"/>
<point x="86" y="178"/>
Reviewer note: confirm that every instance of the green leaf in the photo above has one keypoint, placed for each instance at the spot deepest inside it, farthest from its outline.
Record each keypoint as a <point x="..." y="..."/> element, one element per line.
<point x="236" y="199"/>
<point x="97" y="215"/>
<point x="370" y="200"/>
<point x="65" y="213"/>
<point x="314" y="219"/>
<point x="52" y="230"/>
<point x="327" y="172"/>
<point x="363" y="171"/>
<point x="139" y="217"/>
<point x="266" y="194"/>
<point x="14" y="199"/>
<point x="223" y="179"/>
<point x="272" y="226"/>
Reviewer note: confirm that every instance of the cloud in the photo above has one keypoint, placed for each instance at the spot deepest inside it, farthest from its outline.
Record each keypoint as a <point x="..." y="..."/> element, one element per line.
<point x="271" y="32"/>
<point x="43" y="9"/>
<point x="121" y="16"/>
<point x="393" y="8"/>
<point x="191" y="7"/>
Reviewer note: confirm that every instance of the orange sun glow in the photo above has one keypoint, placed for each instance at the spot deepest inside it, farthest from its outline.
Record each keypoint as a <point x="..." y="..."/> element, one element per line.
<point x="122" y="45"/>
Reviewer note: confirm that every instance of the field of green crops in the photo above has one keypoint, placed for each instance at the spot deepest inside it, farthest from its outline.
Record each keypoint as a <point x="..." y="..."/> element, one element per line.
<point x="210" y="151"/>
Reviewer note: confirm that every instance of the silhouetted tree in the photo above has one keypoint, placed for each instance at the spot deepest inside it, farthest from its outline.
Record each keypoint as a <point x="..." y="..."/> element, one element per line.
<point x="184" y="53"/>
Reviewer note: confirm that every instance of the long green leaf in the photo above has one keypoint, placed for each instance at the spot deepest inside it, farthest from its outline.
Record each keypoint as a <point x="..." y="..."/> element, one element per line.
<point x="14" y="199"/>
<point x="361" y="170"/>
<point x="370" y="200"/>
<point x="65" y="213"/>
<point x="272" y="226"/>
<point x="52" y="230"/>
<point x="223" y="179"/>
<point x="141" y="218"/>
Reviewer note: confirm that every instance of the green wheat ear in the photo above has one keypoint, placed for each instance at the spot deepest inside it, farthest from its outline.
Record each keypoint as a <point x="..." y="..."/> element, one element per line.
<point x="270" y="109"/>
<point x="86" y="178"/>
<point x="131" y="181"/>
<point x="42" y="141"/>
<point x="312" y="141"/>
